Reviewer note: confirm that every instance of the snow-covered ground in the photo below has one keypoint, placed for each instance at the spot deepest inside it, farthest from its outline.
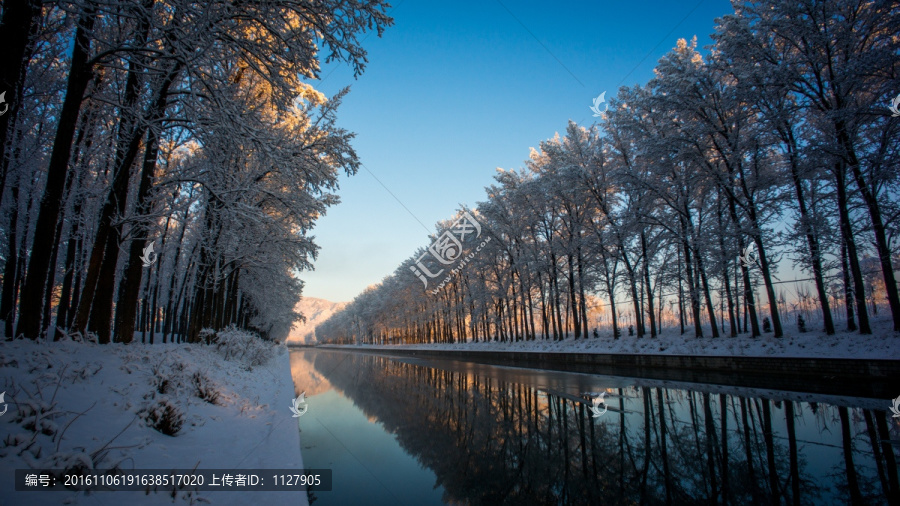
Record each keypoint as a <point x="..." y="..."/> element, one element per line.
<point x="91" y="404"/>
<point x="884" y="343"/>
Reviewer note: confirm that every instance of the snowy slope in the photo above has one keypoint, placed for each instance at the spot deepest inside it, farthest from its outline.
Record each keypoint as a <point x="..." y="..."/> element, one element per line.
<point x="90" y="396"/>
<point x="316" y="311"/>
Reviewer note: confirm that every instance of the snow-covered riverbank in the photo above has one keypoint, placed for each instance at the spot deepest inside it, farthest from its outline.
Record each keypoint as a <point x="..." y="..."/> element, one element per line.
<point x="882" y="344"/>
<point x="82" y="405"/>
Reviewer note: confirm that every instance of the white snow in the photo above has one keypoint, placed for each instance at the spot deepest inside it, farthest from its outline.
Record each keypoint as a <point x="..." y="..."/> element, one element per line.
<point x="883" y="343"/>
<point x="316" y="311"/>
<point x="89" y="397"/>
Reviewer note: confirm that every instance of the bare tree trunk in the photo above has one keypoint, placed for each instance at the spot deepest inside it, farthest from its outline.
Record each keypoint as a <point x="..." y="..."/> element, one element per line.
<point x="51" y="275"/>
<point x="770" y="288"/>
<point x="545" y="324"/>
<point x="76" y="285"/>
<point x="57" y="171"/>
<point x="62" y="310"/>
<point x="573" y="300"/>
<point x="632" y="284"/>
<point x="131" y="280"/>
<point x="207" y="282"/>
<point x="554" y="278"/>
<point x="848" y="288"/>
<point x="169" y="322"/>
<point x="852" y="257"/>
<point x="8" y="299"/>
<point x="154" y="318"/>
<point x="129" y="285"/>
<point x="530" y="311"/>
<point x="749" y="301"/>
<point x="733" y="324"/>
<point x="709" y="305"/>
<point x="74" y="180"/>
<point x="68" y="300"/>
<point x="756" y="234"/>
<point x="611" y="289"/>
<point x="881" y="244"/>
<point x="692" y="290"/>
<point x="812" y="240"/>
<point x="647" y="284"/>
<point x="582" y="297"/>
<point x="102" y="267"/>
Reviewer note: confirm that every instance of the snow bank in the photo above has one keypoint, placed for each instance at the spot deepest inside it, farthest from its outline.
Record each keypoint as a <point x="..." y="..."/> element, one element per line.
<point x="882" y="344"/>
<point x="80" y="404"/>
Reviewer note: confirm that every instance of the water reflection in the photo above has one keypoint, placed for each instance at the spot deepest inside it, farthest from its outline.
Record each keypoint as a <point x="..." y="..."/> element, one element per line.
<point x="515" y="436"/>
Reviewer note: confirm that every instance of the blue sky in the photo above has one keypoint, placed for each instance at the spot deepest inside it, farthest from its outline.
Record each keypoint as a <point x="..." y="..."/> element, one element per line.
<point x="455" y="90"/>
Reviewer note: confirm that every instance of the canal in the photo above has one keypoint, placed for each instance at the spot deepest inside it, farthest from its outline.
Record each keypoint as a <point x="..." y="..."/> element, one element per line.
<point x="403" y="430"/>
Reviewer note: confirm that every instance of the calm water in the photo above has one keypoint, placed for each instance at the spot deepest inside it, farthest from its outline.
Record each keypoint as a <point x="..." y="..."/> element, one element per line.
<point x="412" y="431"/>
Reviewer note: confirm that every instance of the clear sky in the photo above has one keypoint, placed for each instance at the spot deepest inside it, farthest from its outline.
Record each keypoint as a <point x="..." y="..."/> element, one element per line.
<point x="455" y="90"/>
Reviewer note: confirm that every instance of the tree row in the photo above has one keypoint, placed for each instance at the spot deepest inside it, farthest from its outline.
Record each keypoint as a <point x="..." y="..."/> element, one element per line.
<point x="776" y="147"/>
<point x="163" y="161"/>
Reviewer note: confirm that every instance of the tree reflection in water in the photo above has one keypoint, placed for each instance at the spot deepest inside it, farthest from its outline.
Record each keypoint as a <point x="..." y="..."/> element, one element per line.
<point x="492" y="441"/>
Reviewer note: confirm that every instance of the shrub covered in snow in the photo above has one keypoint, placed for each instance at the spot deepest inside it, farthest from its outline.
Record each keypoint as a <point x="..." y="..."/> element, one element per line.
<point x="208" y="336"/>
<point x="204" y="388"/>
<point x="37" y="416"/>
<point x="163" y="416"/>
<point x="234" y="344"/>
<point x="167" y="376"/>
